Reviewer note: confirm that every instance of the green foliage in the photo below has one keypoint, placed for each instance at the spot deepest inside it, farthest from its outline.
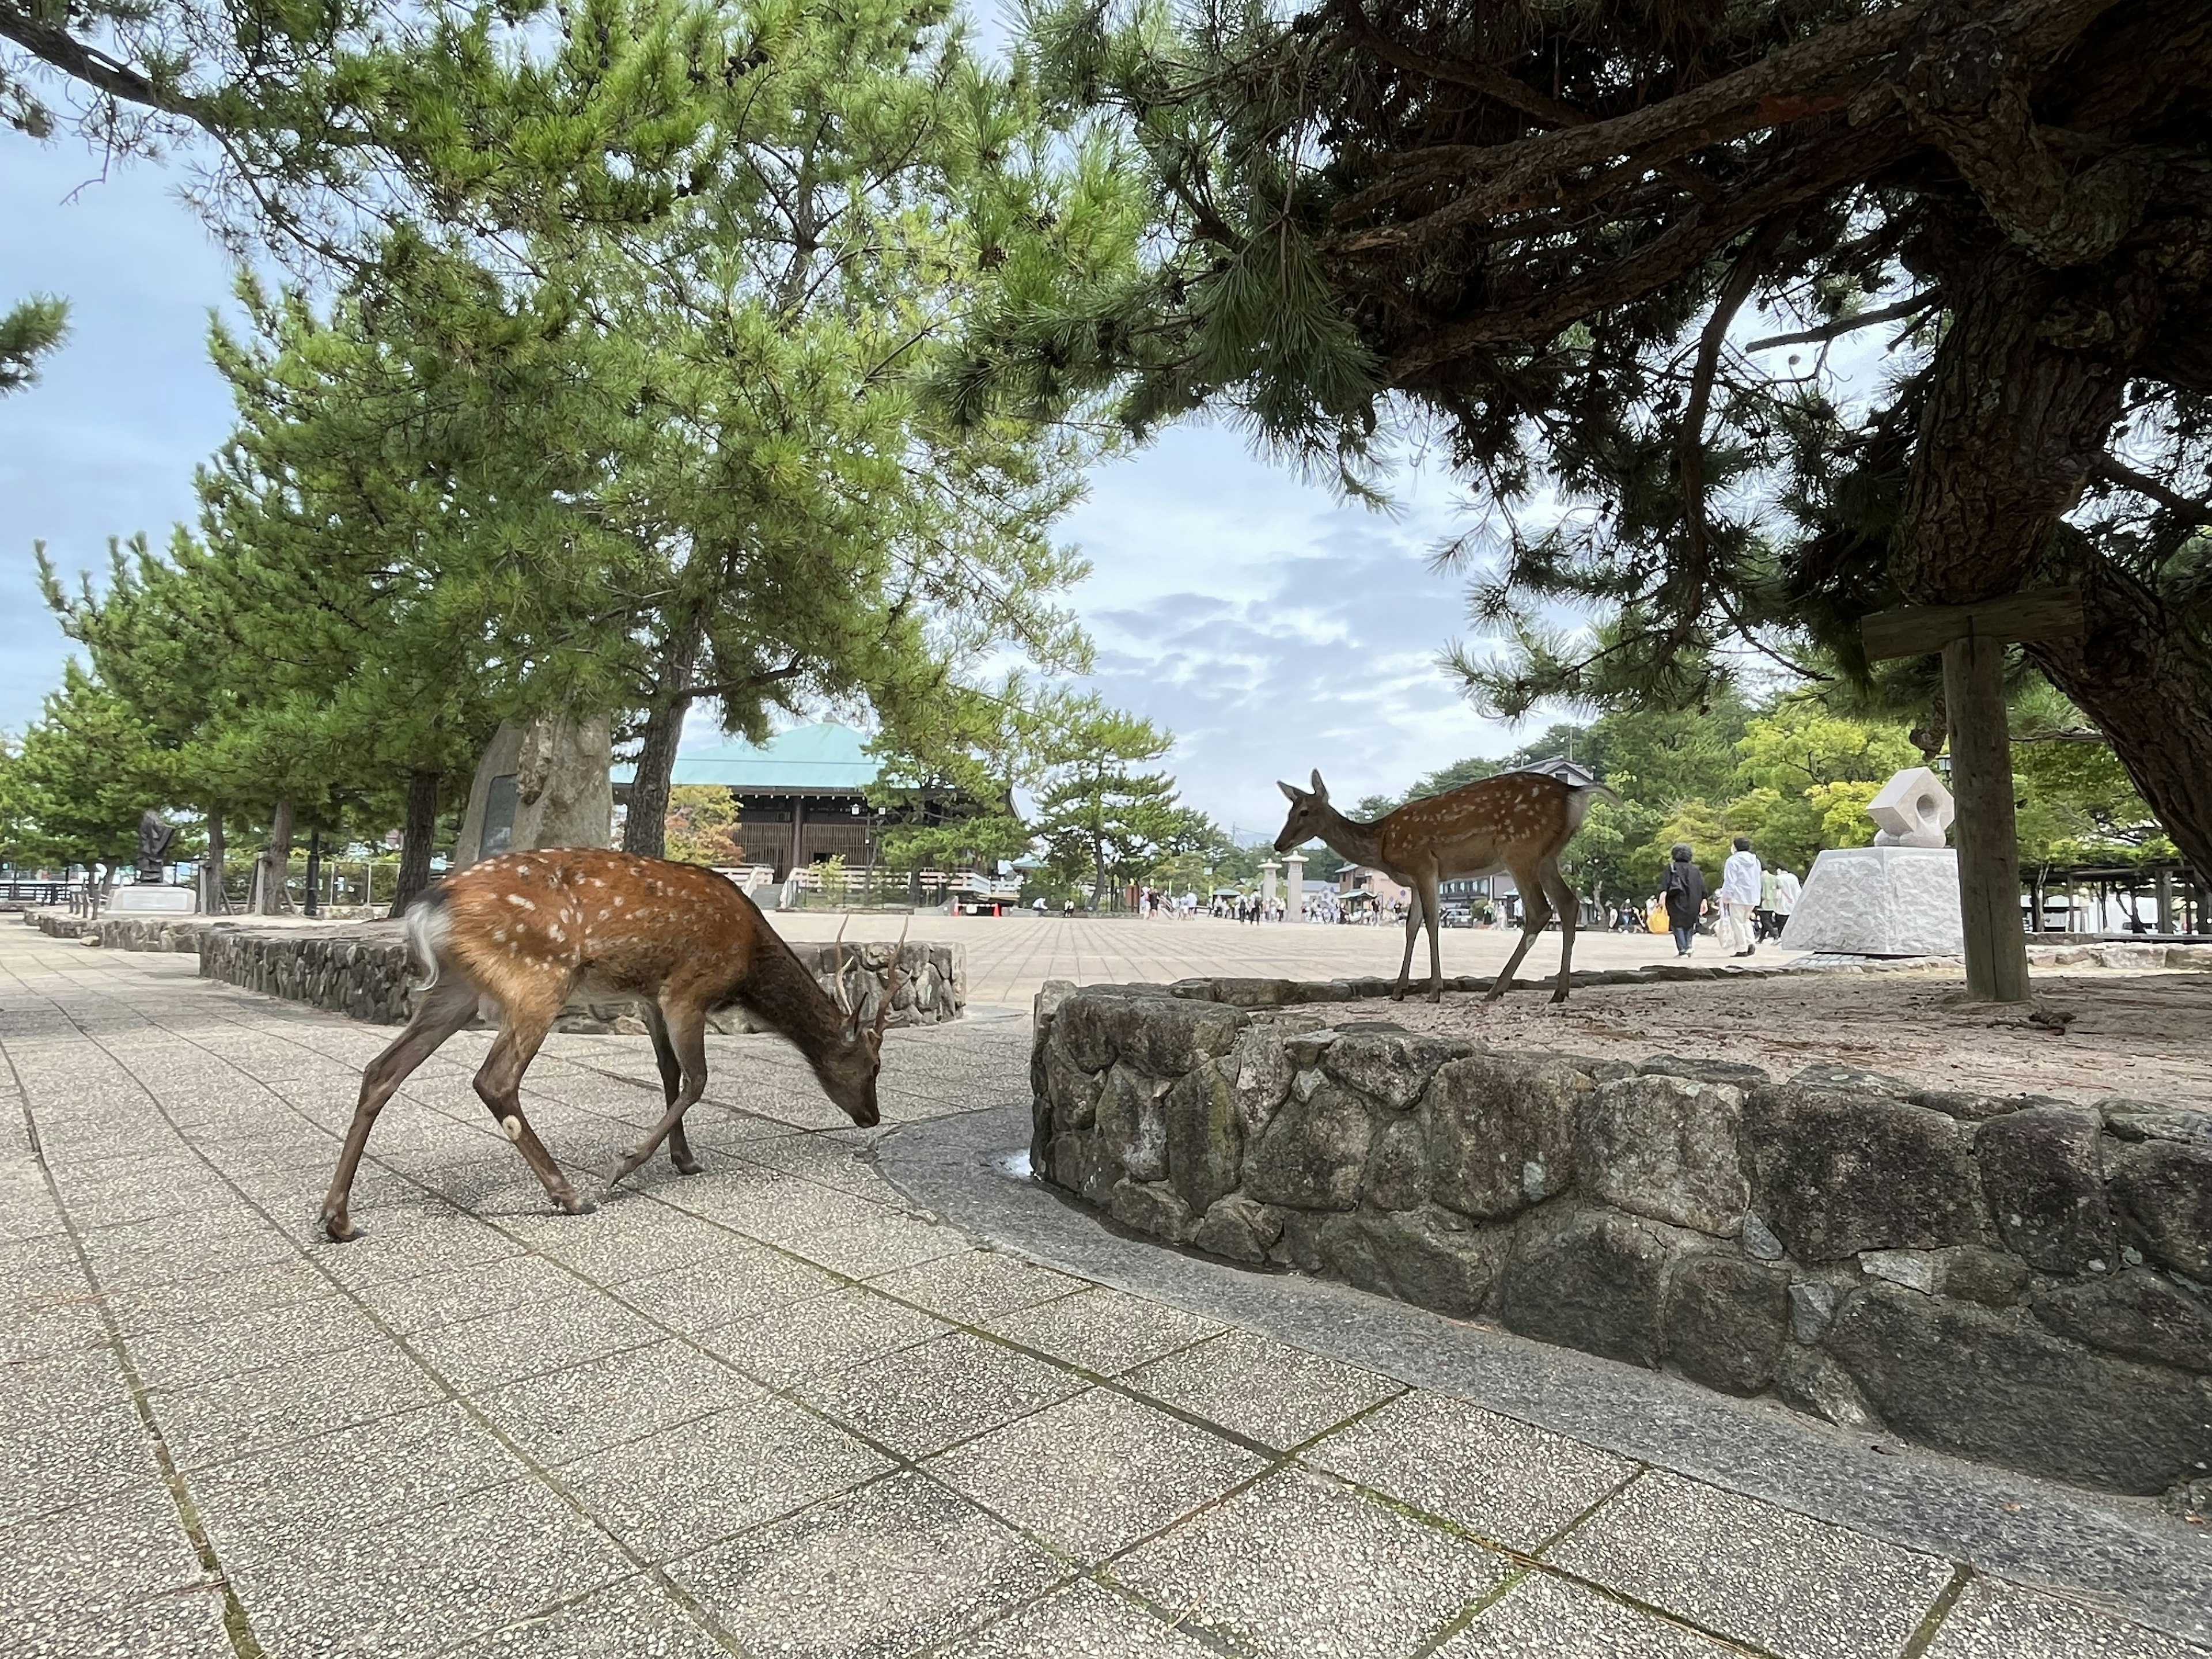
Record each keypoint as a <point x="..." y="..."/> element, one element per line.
<point x="1806" y="776"/>
<point x="702" y="825"/>
<point x="1540" y="240"/>
<point x="619" y="404"/>
<point x="29" y="331"/>
<point x="74" y="791"/>
<point x="1099" y="816"/>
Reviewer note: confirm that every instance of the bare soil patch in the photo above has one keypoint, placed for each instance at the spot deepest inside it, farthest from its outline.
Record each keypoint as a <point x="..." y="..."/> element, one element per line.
<point x="2147" y="1034"/>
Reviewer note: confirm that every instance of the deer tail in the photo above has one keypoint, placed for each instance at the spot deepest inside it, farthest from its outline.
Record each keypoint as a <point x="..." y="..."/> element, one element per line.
<point x="1579" y="797"/>
<point x="427" y="927"/>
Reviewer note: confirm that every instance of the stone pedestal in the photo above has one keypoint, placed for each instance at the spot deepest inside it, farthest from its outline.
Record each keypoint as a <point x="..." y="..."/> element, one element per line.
<point x="1267" y="870"/>
<point x="1880" y="901"/>
<point x="146" y="899"/>
<point x="1294" y="877"/>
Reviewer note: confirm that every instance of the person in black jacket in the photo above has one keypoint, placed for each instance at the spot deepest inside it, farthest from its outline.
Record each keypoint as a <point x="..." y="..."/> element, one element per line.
<point x="1684" y="887"/>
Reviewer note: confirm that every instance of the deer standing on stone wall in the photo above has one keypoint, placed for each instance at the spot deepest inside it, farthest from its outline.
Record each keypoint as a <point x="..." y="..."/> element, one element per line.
<point x="1517" y="822"/>
<point x="527" y="930"/>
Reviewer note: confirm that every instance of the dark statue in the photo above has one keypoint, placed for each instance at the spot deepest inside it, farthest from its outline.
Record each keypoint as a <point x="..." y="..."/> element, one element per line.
<point x="154" y="839"/>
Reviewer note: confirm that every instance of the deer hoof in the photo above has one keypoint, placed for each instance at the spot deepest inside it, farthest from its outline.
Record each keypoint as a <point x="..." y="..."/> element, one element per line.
<point x="340" y="1230"/>
<point x="694" y="1167"/>
<point x="575" y="1205"/>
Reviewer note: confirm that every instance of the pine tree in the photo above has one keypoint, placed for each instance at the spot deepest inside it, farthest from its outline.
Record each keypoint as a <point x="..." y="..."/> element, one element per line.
<point x="1546" y="234"/>
<point x="29" y="331"/>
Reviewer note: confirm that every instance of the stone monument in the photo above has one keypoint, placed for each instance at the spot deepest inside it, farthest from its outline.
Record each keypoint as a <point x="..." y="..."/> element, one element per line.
<point x="1898" y="897"/>
<point x="540" y="784"/>
<point x="1294" y="887"/>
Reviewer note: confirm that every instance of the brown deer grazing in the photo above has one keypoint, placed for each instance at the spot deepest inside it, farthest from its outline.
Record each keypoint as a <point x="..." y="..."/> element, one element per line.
<point x="527" y="929"/>
<point x="1517" y="822"/>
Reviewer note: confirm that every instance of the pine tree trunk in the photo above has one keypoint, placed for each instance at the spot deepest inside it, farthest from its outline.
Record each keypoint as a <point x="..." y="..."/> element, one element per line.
<point x="645" y="831"/>
<point x="213" y="901"/>
<point x="2147" y="682"/>
<point x="2023" y="398"/>
<point x="417" y="834"/>
<point x="268" y="895"/>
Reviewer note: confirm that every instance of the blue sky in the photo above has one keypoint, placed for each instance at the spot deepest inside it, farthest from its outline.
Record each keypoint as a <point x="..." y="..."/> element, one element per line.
<point x="1271" y="627"/>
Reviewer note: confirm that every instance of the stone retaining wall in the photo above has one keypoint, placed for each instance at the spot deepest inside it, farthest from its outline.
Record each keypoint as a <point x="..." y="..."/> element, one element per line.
<point x="361" y="970"/>
<point x="2016" y="1279"/>
<point x="124" y="932"/>
<point x="364" y="972"/>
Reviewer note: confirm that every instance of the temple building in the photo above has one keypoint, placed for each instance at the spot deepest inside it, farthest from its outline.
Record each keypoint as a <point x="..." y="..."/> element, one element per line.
<point x="802" y="796"/>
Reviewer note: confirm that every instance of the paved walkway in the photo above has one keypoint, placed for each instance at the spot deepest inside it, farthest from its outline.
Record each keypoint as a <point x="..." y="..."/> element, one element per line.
<point x="1009" y="956"/>
<point x="773" y="1409"/>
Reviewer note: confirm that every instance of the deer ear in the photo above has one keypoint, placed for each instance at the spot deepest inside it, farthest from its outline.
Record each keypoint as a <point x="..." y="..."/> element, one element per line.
<point x="1320" y="789"/>
<point x="1291" y="792"/>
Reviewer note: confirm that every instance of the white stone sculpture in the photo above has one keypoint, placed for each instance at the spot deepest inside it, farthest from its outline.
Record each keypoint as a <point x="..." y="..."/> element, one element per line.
<point x="1913" y="809"/>
<point x="1898" y="897"/>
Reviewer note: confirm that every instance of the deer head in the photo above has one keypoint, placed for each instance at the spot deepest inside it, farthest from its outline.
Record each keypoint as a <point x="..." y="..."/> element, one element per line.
<point x="1309" y="814"/>
<point x="848" y="1071"/>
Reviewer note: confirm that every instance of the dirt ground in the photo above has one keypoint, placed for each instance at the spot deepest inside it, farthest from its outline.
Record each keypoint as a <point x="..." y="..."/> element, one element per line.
<point x="2144" y="1035"/>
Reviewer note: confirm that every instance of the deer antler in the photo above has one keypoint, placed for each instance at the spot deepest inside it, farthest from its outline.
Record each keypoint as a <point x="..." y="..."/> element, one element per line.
<point x="837" y="965"/>
<point x="891" y="980"/>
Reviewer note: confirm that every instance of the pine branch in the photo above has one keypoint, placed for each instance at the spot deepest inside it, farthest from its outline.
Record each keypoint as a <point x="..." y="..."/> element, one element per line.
<point x="2118" y="472"/>
<point x="1841" y="325"/>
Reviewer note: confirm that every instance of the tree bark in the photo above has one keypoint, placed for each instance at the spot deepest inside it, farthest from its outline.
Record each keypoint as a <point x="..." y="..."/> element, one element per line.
<point x="417" y="834"/>
<point x="213" y="901"/>
<point x="2147" y="682"/>
<point x="645" y="831"/>
<point x="276" y="860"/>
<point x="2027" y="385"/>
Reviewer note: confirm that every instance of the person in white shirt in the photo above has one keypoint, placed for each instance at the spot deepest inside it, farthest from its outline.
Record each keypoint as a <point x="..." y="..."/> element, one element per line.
<point x="1739" y="899"/>
<point x="1786" y="891"/>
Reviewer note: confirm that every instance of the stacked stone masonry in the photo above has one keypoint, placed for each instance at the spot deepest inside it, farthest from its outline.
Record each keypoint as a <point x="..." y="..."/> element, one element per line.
<point x="2023" y="1280"/>
<point x="362" y="970"/>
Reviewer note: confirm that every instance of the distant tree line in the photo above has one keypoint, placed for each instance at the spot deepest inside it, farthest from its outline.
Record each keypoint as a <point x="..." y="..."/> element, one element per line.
<point x="1796" y="776"/>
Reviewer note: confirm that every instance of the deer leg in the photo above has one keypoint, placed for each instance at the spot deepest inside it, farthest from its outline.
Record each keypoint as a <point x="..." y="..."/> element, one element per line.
<point x="687" y="1036"/>
<point x="499" y="1086"/>
<point x="672" y="1083"/>
<point x="1413" y="934"/>
<point x="1435" y="911"/>
<point x="1563" y="896"/>
<point x="450" y="1005"/>
<point x="1538" y="912"/>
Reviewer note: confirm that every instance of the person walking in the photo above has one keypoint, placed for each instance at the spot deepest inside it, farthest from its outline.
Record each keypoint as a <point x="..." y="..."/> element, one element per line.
<point x="1786" y="891"/>
<point x="1740" y="899"/>
<point x="1683" y="888"/>
<point x="1770" y="884"/>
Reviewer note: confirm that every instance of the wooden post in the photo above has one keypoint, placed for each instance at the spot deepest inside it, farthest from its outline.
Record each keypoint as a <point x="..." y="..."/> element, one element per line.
<point x="1973" y="638"/>
<point x="1989" y="845"/>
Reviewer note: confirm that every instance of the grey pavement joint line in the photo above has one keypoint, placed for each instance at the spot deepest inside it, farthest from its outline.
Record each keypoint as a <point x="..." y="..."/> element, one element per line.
<point x="1473" y="1611"/>
<point x="1274" y="1460"/>
<point x="544" y="1476"/>
<point x="1940" y="1610"/>
<point x="1532" y="1560"/>
<point x="899" y="1461"/>
<point x="235" y="1623"/>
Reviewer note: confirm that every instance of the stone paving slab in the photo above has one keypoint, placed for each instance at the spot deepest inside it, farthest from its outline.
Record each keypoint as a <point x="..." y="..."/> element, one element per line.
<point x="788" y="1407"/>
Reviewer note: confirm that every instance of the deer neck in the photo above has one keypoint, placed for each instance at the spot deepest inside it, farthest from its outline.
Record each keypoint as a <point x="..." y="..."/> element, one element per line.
<point x="781" y="991"/>
<point x="1360" y="843"/>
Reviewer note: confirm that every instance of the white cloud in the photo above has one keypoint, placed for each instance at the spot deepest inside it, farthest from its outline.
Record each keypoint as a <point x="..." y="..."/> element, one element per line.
<point x="1272" y="628"/>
